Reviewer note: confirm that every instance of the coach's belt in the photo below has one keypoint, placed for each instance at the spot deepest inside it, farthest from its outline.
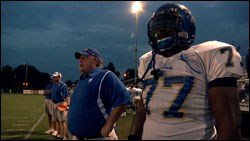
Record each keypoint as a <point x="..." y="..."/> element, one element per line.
<point x="89" y="137"/>
<point x="59" y="103"/>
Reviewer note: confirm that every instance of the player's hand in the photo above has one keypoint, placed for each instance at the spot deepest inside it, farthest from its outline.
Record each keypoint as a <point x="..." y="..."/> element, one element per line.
<point x="106" y="129"/>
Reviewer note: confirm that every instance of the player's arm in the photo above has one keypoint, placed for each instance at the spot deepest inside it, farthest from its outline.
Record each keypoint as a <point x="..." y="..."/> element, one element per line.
<point x="112" y="119"/>
<point x="138" y="122"/>
<point x="66" y="95"/>
<point x="68" y="100"/>
<point x="226" y="111"/>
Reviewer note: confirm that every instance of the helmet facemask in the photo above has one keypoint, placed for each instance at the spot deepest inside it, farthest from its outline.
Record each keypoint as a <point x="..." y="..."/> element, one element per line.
<point x="171" y="26"/>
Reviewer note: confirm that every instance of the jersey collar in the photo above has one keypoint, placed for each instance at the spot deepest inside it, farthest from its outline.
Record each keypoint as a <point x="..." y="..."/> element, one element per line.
<point x="92" y="74"/>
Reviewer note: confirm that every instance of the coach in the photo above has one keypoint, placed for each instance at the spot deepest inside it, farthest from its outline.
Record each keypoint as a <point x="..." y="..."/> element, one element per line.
<point x="60" y="98"/>
<point x="97" y="101"/>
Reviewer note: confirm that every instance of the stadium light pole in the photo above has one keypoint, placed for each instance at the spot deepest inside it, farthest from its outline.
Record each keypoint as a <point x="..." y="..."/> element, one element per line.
<point x="26" y="74"/>
<point x="136" y="8"/>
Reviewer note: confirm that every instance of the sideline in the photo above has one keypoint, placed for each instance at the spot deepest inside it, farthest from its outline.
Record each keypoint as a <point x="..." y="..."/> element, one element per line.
<point x="34" y="126"/>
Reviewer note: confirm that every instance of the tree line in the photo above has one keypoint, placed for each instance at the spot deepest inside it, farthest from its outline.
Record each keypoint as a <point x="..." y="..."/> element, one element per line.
<point x="27" y="76"/>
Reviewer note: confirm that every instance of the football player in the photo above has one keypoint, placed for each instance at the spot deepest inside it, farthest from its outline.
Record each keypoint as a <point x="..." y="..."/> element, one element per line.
<point x="48" y="106"/>
<point x="190" y="92"/>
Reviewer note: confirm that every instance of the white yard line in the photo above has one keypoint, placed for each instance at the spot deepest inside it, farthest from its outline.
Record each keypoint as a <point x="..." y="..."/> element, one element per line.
<point x="10" y="130"/>
<point x="25" y="121"/>
<point x="34" y="126"/>
<point x="10" y="136"/>
<point x="21" y="124"/>
<point x="19" y="117"/>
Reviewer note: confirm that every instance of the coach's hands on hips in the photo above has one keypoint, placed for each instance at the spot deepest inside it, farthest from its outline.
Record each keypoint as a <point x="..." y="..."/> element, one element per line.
<point x="106" y="129"/>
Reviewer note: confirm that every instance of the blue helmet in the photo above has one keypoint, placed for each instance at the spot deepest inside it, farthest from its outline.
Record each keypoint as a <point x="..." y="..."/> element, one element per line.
<point x="172" y="28"/>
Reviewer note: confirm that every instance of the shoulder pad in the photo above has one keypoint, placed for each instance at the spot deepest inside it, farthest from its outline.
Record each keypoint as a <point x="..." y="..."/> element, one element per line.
<point x="147" y="55"/>
<point x="210" y="45"/>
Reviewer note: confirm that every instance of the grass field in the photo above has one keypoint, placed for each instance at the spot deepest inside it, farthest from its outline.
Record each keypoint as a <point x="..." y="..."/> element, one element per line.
<point x="22" y="117"/>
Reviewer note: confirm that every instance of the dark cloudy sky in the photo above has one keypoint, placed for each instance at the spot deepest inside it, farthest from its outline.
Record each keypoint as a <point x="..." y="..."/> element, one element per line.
<point x="47" y="34"/>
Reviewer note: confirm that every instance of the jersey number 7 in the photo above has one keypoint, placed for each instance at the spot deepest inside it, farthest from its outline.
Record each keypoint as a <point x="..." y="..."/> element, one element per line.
<point x="173" y="111"/>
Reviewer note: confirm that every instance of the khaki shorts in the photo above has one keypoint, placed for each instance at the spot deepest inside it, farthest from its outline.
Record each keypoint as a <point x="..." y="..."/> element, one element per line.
<point x="61" y="115"/>
<point x="48" y="106"/>
<point x="57" y="114"/>
<point x="136" y="100"/>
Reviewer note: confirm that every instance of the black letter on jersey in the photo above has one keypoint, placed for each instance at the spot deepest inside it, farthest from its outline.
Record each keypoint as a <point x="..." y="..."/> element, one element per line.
<point x="230" y="56"/>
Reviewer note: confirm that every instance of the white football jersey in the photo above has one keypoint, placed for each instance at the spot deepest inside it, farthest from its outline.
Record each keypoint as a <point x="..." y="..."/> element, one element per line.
<point x="177" y="103"/>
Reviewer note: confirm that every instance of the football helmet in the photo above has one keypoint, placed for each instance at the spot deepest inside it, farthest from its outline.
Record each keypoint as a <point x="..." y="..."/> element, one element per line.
<point x="171" y="28"/>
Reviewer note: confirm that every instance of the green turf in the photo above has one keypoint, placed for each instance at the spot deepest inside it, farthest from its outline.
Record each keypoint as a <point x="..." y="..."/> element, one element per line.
<point x="124" y="125"/>
<point x="20" y="112"/>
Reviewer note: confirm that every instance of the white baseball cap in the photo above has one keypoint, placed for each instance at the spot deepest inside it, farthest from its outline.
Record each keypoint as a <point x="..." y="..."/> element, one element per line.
<point x="57" y="74"/>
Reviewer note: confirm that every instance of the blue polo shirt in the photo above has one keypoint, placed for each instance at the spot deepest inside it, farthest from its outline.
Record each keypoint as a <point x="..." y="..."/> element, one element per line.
<point x="48" y="87"/>
<point x="59" y="92"/>
<point x="89" y="109"/>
